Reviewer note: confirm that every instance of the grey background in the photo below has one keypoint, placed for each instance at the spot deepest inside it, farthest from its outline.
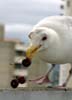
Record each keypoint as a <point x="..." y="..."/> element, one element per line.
<point x="19" y="16"/>
<point x="27" y="11"/>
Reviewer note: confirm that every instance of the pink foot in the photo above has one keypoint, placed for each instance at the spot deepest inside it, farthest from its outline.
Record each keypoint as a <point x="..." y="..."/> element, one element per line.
<point x="41" y="80"/>
<point x="62" y="87"/>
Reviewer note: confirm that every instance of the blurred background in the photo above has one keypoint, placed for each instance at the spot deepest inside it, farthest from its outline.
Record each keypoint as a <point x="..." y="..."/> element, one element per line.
<point x="19" y="16"/>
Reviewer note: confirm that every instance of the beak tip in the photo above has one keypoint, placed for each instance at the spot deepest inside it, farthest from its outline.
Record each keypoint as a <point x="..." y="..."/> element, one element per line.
<point x="26" y="62"/>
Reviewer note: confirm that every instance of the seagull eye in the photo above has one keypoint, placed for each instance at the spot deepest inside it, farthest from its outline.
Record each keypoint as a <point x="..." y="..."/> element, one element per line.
<point x="44" y="38"/>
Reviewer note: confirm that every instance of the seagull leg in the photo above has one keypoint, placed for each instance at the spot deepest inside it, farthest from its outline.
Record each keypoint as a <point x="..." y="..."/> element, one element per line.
<point x="68" y="78"/>
<point x="66" y="82"/>
<point x="63" y="86"/>
<point x="45" y="78"/>
<point x="53" y="66"/>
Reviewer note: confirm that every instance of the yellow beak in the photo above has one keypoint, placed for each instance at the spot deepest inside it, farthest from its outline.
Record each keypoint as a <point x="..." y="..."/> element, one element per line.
<point x="32" y="51"/>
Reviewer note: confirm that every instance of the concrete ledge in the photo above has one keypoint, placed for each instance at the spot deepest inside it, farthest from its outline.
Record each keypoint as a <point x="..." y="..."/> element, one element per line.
<point x="35" y="95"/>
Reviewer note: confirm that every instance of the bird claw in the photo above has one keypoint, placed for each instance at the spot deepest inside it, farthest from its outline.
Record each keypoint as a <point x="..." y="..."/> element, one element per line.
<point x="58" y="87"/>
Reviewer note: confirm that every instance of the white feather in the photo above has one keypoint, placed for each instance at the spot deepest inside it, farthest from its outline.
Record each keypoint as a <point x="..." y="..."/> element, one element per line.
<point x="59" y="45"/>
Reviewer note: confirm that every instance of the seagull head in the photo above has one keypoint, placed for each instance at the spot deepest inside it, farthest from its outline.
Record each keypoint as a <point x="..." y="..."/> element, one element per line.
<point x="41" y="38"/>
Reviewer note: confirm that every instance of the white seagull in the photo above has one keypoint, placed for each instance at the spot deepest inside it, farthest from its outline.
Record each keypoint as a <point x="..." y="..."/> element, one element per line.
<point x="51" y="39"/>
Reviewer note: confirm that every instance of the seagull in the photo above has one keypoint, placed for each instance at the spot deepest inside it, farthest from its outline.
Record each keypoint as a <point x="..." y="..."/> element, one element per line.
<point x="51" y="39"/>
